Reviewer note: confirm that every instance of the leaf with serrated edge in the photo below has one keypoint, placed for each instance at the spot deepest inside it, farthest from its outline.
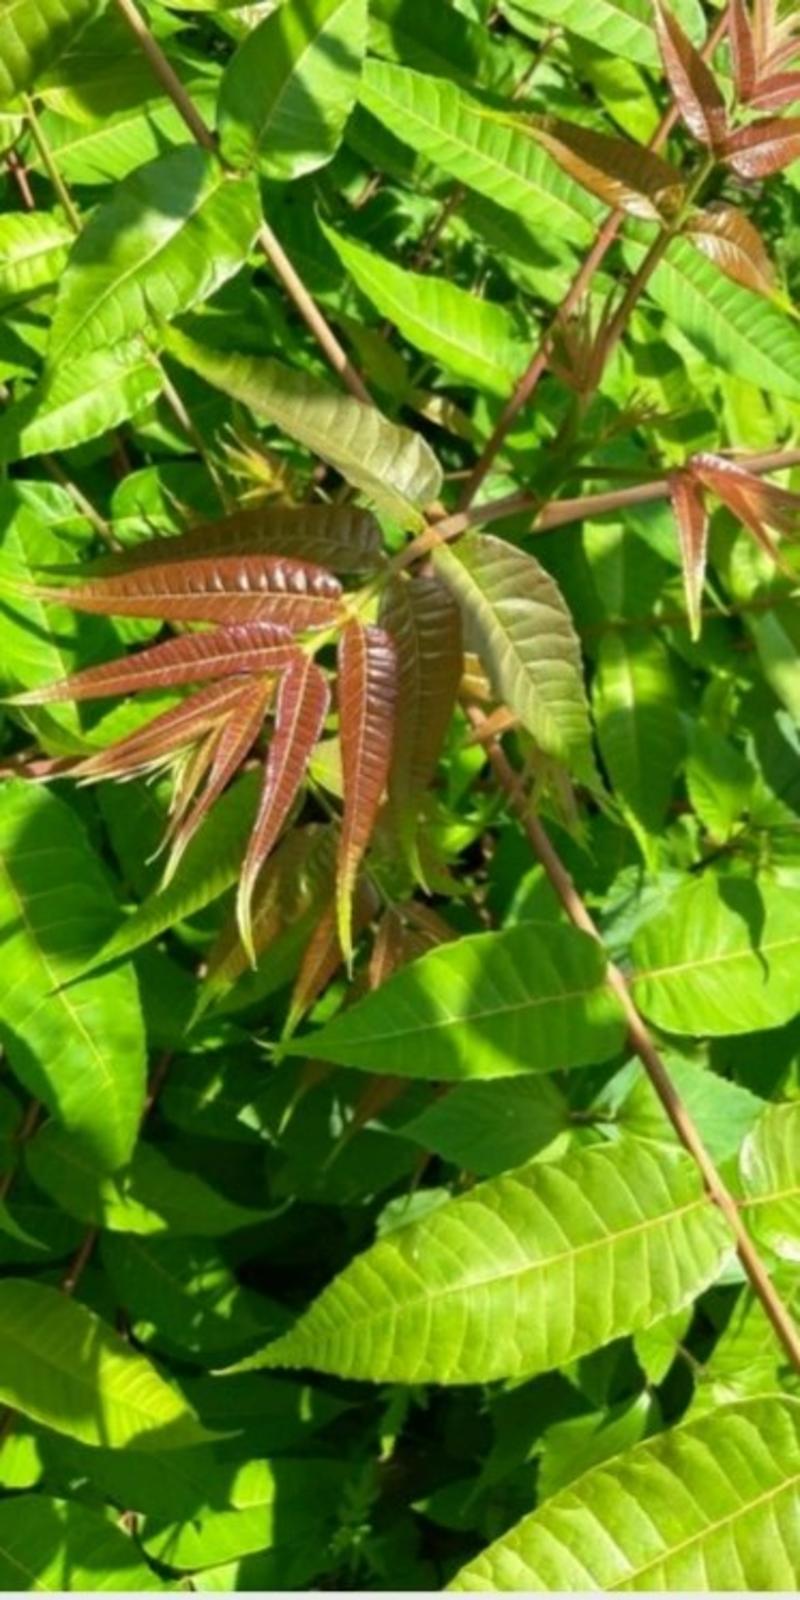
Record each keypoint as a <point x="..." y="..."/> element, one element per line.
<point x="219" y="588"/>
<point x="79" y="401"/>
<point x="691" y="517"/>
<point x="190" y="658"/>
<point x="728" y="238"/>
<point x="695" y="89"/>
<point x="763" y="147"/>
<point x="367" y="694"/>
<point x="620" y="173"/>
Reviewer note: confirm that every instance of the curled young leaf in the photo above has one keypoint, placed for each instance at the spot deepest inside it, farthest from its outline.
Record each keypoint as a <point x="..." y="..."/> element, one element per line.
<point x="763" y="148"/>
<point x="728" y="238"/>
<point x="302" y="705"/>
<point x="692" y="520"/>
<point x="231" y="743"/>
<point x="367" y="691"/>
<point x="215" y="589"/>
<point x="694" y="87"/>
<point x="625" y="175"/>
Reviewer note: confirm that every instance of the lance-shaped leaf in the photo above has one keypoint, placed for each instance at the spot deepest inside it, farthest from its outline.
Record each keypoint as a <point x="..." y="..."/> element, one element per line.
<point x="425" y="624"/>
<point x="393" y="466"/>
<point x="344" y="538"/>
<point x="770" y="1175"/>
<point x="691" y="517"/>
<point x="520" y="624"/>
<point x="619" y="172"/>
<point x="302" y="705"/>
<point x="190" y="658"/>
<point x="323" y="955"/>
<point x="211" y="589"/>
<point x="503" y="1281"/>
<point x="743" y="49"/>
<point x="367" y="694"/>
<point x="694" y="87"/>
<point x="709" y="1505"/>
<point x="79" y="400"/>
<point x="763" y="147"/>
<point x="297" y="878"/>
<point x="232" y="743"/>
<point x="34" y="34"/>
<point x="757" y="504"/>
<point x="777" y="91"/>
<point x="728" y="238"/>
<point x="493" y="1005"/>
<point x="159" y="740"/>
<point x="175" y="231"/>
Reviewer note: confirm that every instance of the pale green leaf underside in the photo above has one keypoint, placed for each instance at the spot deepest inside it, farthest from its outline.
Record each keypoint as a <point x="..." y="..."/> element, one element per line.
<point x="532" y="998"/>
<point x="450" y="129"/>
<point x="33" y="33"/>
<point x="714" y="1505"/>
<point x="720" y="959"/>
<point x="80" y="400"/>
<point x="168" y="238"/>
<point x="393" y="466"/>
<point x="57" y="1546"/>
<point x="524" y="633"/>
<point x="64" y="1367"/>
<point x="81" y="1047"/>
<point x="287" y="94"/>
<point x="33" y="248"/>
<point x="621" y="27"/>
<point x="770" y="1173"/>
<point x="524" y="1273"/>
<point x="472" y="338"/>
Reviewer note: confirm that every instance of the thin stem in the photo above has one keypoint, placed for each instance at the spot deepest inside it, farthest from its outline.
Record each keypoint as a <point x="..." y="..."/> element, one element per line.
<point x="65" y="198"/>
<point x="19" y="173"/>
<point x="540" y="360"/>
<point x="642" y="1043"/>
<point x="187" y="424"/>
<point x="268" y="243"/>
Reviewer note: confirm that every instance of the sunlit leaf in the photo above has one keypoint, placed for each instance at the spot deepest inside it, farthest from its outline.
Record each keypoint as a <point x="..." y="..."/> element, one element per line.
<point x="697" y="94"/>
<point x="367" y="692"/>
<point x="728" y="238"/>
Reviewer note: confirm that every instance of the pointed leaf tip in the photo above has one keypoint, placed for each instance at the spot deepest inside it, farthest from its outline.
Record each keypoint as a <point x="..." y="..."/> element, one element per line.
<point x="694" y="87"/>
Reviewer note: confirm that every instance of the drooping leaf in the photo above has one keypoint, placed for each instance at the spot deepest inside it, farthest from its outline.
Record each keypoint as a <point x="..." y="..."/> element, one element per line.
<point x="261" y="647"/>
<point x="171" y="235"/>
<point x="677" y="1512"/>
<point x="305" y="63"/>
<point x="526" y="639"/>
<point x="367" y="694"/>
<point x="758" y="504"/>
<point x="451" y="129"/>
<point x="532" y="998"/>
<point x="67" y="1369"/>
<point x="694" y="87"/>
<point x="35" y="33"/>
<point x="770" y="1174"/>
<point x="392" y="465"/>
<point x="60" y="1545"/>
<point x="301" y="709"/>
<point x="720" y="958"/>
<point x="763" y="147"/>
<point x="33" y="249"/>
<point x="425" y="624"/>
<point x="620" y="173"/>
<point x="503" y="1281"/>
<point x="691" y="519"/>
<point x="79" y="1047"/>
<point x="80" y="400"/>
<point x="211" y="589"/>
<point x="730" y="240"/>
<point x="161" y="740"/>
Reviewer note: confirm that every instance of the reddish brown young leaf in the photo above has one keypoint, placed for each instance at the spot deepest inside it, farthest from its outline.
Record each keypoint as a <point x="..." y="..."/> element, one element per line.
<point x="694" y="87"/>
<point x="367" y="693"/>
<point x="296" y="881"/>
<point x="344" y="538"/>
<point x="777" y="91"/>
<point x="217" y="589"/>
<point x="764" y="147"/>
<point x="302" y="705"/>
<point x="190" y="658"/>
<point x="692" y="519"/>
<point x="757" y="504"/>
<point x="323" y="955"/>
<point x="425" y="624"/>
<point x="171" y="731"/>
<point x="623" y="174"/>
<point x="234" y="740"/>
<point x="728" y="237"/>
<point x="743" y="50"/>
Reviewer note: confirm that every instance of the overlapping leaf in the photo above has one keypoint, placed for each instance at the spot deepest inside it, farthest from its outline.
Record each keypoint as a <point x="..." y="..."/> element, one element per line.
<point x="220" y="588"/>
<point x="730" y="240"/>
<point x="367" y="692"/>
<point x="619" y="172"/>
<point x="693" y="84"/>
<point x="35" y="33"/>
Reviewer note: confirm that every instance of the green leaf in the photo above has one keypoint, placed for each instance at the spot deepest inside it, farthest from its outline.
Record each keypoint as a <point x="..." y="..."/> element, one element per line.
<point x="79" y="1048"/>
<point x="732" y="327"/>
<point x="393" y="466"/>
<point x="33" y="248"/>
<point x="721" y="958"/>
<point x="451" y="130"/>
<point x="60" y="1545"/>
<point x="639" y="730"/>
<point x="64" y="1367"/>
<point x="770" y="1173"/>
<point x="712" y="1505"/>
<point x="723" y="1112"/>
<point x="286" y="96"/>
<point x="79" y="400"/>
<point x="522" y="1274"/>
<point x="530" y="999"/>
<point x="34" y="33"/>
<point x="184" y="1298"/>
<point x="477" y="341"/>
<point x="621" y="27"/>
<point x="490" y="1127"/>
<point x="171" y="235"/>
<point x="270" y="1504"/>
<point x="526" y="639"/>
<point x="111" y="148"/>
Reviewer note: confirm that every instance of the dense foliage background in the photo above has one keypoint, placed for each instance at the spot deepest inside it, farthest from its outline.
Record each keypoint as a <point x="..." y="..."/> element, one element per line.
<point x="458" y="342"/>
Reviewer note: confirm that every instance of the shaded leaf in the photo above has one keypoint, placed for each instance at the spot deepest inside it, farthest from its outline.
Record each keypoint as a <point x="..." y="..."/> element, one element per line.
<point x="635" y="701"/>
<point x="35" y="33"/>
<point x="691" y="518"/>
<point x="620" y="173"/>
<point x="60" y="1545"/>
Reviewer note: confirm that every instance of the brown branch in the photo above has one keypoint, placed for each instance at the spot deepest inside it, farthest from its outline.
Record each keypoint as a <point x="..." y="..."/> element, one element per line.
<point x="530" y="379"/>
<point x="641" y="1041"/>
<point x="270" y="246"/>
